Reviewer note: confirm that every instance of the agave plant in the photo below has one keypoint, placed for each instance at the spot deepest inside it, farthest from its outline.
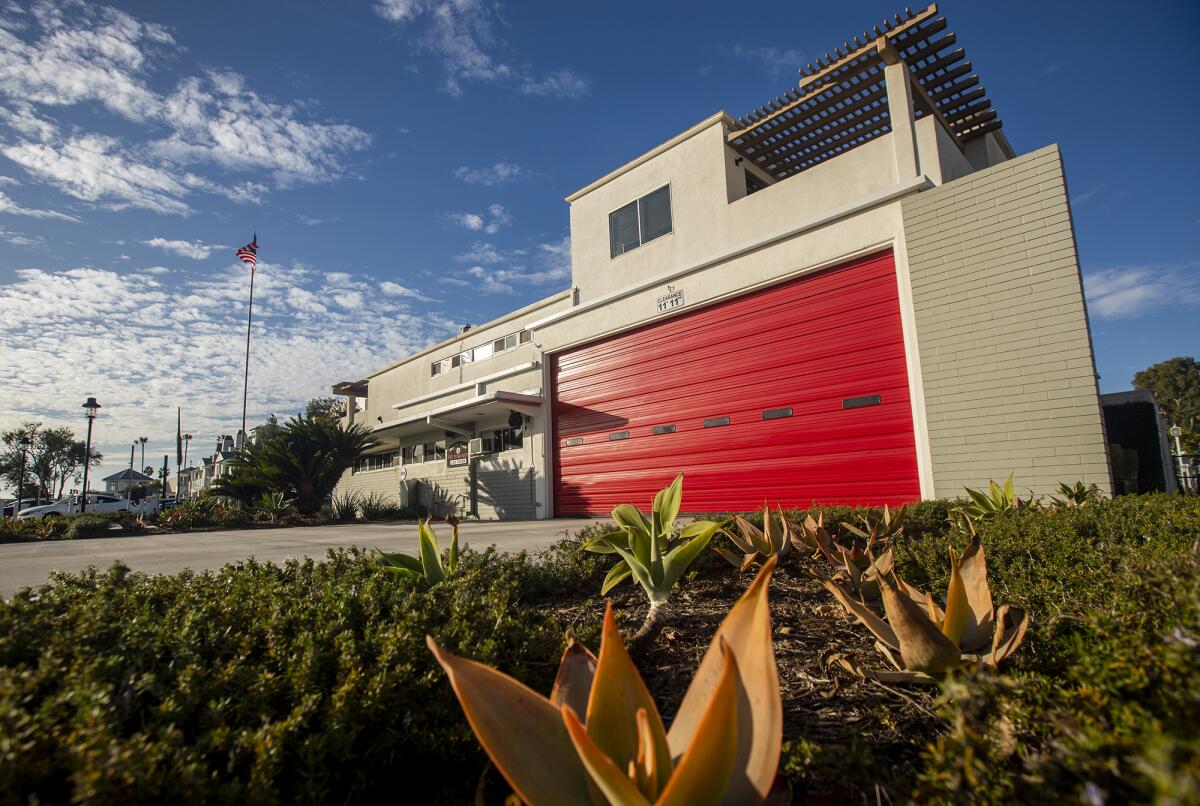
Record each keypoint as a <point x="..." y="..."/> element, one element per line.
<point x="987" y="505"/>
<point x="599" y="738"/>
<point x="272" y="506"/>
<point x="931" y="641"/>
<point x="775" y="539"/>
<point x="652" y="552"/>
<point x="1075" y="495"/>
<point x="429" y="565"/>
<point x="853" y="565"/>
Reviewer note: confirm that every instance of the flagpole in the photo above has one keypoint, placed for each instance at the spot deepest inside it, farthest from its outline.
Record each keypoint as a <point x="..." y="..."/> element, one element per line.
<point x="246" y="378"/>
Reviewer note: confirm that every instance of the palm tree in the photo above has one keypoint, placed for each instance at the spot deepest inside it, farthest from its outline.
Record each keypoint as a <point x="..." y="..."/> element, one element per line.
<point x="142" y="441"/>
<point x="304" y="460"/>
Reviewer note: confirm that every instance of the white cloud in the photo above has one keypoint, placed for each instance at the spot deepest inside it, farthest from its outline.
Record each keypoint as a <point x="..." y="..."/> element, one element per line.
<point x="496" y="219"/>
<point x="1088" y="195"/>
<point x="94" y="168"/>
<point x="7" y="205"/>
<point x="775" y="62"/>
<point x="21" y="239"/>
<point x="497" y="174"/>
<point x="77" y="53"/>
<point x="193" y="249"/>
<point x="460" y="34"/>
<point x="1134" y="291"/>
<point x="396" y="290"/>
<point x="304" y="300"/>
<point x="350" y="300"/>
<point x="548" y="265"/>
<point x="469" y="221"/>
<point x="144" y="342"/>
<point x="563" y="83"/>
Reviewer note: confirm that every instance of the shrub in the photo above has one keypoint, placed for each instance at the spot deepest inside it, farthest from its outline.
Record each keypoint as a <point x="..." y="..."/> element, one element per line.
<point x="308" y="682"/>
<point x="87" y="525"/>
<point x="1102" y="703"/>
<point x="344" y="506"/>
<point x="378" y="507"/>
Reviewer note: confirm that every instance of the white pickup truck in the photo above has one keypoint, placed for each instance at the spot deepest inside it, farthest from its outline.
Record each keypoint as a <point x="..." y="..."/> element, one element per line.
<point x="96" y="502"/>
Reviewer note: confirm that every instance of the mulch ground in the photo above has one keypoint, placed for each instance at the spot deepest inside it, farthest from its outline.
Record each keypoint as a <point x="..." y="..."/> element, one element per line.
<point x="841" y="727"/>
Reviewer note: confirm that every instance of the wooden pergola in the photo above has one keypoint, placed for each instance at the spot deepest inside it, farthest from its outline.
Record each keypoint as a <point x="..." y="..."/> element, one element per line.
<point x="842" y="101"/>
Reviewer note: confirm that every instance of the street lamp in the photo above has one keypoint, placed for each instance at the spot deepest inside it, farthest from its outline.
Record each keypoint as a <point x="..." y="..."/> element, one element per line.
<point x="24" y="442"/>
<point x="90" y="408"/>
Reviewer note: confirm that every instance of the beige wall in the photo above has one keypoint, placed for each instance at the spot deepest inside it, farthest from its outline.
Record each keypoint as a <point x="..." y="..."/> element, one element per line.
<point x="410" y="378"/>
<point x="1006" y="356"/>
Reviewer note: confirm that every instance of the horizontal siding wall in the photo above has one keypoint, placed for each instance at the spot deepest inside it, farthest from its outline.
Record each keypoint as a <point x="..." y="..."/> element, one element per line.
<point x="1006" y="357"/>
<point x="504" y="489"/>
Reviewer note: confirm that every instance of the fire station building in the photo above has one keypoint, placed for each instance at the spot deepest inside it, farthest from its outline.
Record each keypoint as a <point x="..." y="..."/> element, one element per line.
<point x="857" y="293"/>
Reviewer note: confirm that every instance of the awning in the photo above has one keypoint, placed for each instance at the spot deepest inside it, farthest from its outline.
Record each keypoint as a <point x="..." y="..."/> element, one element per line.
<point x="462" y="416"/>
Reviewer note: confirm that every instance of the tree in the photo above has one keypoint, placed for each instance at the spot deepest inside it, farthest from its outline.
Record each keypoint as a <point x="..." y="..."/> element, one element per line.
<point x="1176" y="387"/>
<point x="330" y="409"/>
<point x="54" y="457"/>
<point x="304" y="461"/>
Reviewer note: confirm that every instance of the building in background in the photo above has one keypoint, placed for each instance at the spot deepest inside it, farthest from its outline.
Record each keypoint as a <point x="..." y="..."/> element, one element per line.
<point x="120" y="482"/>
<point x="858" y="293"/>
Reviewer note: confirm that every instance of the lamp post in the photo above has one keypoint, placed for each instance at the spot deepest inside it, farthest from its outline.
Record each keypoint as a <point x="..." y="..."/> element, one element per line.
<point x="24" y="442"/>
<point x="90" y="408"/>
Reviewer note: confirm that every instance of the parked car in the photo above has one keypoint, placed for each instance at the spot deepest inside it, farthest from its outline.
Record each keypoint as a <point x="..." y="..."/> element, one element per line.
<point x="96" y="502"/>
<point x="12" y="507"/>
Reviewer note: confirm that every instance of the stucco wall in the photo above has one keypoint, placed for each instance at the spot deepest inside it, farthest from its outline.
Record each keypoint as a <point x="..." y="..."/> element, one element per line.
<point x="1006" y="356"/>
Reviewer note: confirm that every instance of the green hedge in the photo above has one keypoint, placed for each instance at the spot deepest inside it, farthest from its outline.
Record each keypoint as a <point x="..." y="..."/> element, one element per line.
<point x="1102" y="703"/>
<point x="305" y="683"/>
<point x="311" y="682"/>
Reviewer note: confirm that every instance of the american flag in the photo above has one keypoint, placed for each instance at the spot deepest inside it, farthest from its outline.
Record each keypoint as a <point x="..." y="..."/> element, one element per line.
<point x="248" y="254"/>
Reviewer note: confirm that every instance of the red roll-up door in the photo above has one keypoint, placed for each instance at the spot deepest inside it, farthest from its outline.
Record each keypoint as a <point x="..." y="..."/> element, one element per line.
<point x="793" y="395"/>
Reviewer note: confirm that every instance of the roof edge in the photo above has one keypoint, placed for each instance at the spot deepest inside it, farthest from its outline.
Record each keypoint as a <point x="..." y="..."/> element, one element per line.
<point x="474" y="331"/>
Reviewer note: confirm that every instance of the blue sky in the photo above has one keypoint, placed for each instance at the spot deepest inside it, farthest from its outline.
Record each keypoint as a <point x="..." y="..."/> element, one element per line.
<point x="405" y="161"/>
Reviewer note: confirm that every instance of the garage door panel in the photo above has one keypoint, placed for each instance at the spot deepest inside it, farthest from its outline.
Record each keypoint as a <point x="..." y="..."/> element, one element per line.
<point x="870" y="369"/>
<point x="807" y="345"/>
<point x="735" y="345"/>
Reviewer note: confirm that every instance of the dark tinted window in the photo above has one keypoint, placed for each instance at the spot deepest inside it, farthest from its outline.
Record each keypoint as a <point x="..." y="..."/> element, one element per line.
<point x="656" y="213"/>
<point x="623" y="229"/>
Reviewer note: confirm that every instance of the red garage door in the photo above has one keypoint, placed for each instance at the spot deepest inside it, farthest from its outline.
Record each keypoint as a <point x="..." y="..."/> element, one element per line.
<point x="794" y="395"/>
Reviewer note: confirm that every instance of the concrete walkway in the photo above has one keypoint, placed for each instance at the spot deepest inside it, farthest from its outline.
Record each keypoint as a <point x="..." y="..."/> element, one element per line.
<point x="26" y="564"/>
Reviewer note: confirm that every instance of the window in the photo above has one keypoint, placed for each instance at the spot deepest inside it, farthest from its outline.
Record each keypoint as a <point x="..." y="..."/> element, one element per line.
<point x="664" y="429"/>
<point x="433" y="451"/>
<point x="775" y="414"/>
<point x="480" y="353"/>
<point x="640" y="221"/>
<point x="753" y="183"/>
<point x="502" y="439"/>
<point x="378" y="461"/>
<point x="408" y="455"/>
<point x="714" y="422"/>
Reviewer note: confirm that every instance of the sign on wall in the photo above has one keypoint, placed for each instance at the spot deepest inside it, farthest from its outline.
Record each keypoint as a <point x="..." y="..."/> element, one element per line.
<point x="457" y="454"/>
<point x="670" y="300"/>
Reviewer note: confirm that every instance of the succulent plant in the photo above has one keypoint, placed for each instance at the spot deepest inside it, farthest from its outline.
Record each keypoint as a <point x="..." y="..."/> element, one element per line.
<point x="652" y="552"/>
<point x="598" y="737"/>
<point x="429" y="564"/>
<point x="775" y="539"/>
<point x="928" y="640"/>
<point x="853" y="565"/>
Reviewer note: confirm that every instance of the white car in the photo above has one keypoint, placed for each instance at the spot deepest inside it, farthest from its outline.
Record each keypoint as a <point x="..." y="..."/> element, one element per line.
<point x="96" y="502"/>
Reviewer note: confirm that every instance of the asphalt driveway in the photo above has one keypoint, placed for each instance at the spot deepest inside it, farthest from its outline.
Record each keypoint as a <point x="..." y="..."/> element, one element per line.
<point x="26" y="564"/>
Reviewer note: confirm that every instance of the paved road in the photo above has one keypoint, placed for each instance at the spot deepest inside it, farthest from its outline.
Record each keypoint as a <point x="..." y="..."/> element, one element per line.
<point x="26" y="564"/>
